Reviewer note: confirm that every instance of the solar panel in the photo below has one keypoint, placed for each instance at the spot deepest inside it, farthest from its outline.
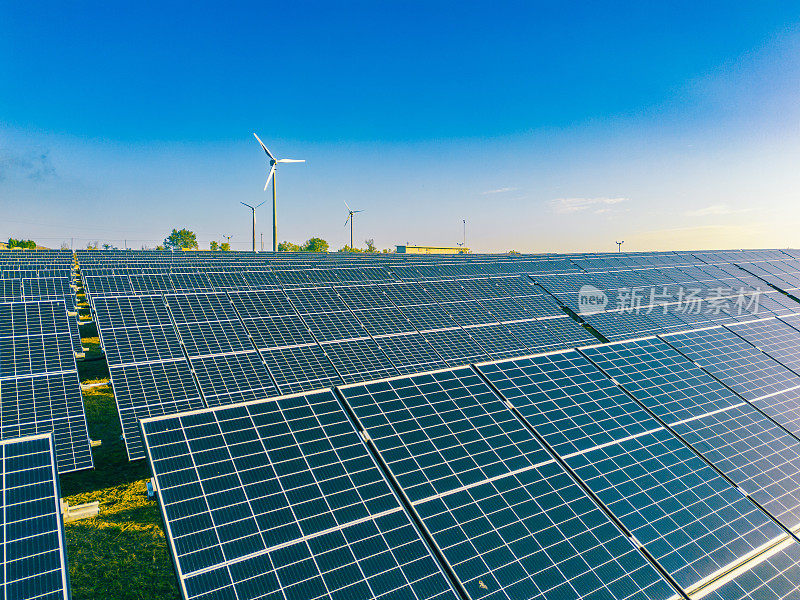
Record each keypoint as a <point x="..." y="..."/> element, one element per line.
<point x="365" y="296"/>
<point x="300" y="368"/>
<point x="734" y="361"/>
<point x="358" y="360"/>
<point x="281" y="499"/>
<point x="34" y="553"/>
<point x="39" y="386"/>
<point x="455" y="346"/>
<point x="384" y="321"/>
<point x="778" y="339"/>
<point x="151" y="389"/>
<point x="664" y="493"/>
<point x="427" y="317"/>
<point x="497" y="341"/>
<point x="136" y="329"/>
<point x="740" y="441"/>
<point x="506" y="516"/>
<point x="332" y="326"/>
<point x="410" y="353"/>
<point x="230" y="378"/>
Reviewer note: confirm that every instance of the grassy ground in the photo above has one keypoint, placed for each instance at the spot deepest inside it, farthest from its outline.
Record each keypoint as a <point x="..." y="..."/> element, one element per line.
<point x="121" y="554"/>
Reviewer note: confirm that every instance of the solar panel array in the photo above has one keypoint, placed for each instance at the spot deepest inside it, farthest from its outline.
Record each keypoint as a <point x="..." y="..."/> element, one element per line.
<point x="387" y="426"/>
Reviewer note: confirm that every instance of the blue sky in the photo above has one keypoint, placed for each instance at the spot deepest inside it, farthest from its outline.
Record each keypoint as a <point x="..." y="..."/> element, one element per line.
<point x="547" y="126"/>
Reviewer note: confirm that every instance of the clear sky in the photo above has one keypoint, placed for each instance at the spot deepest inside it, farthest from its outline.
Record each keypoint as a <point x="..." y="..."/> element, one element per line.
<point x="548" y="126"/>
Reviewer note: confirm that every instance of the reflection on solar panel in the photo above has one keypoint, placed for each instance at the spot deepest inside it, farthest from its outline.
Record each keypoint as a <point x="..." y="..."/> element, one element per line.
<point x="281" y="499"/>
<point x="733" y="360"/>
<point x="34" y="554"/>
<point x="39" y="386"/>
<point x="740" y="441"/>
<point x="507" y="518"/>
<point x="667" y="496"/>
<point x="776" y="338"/>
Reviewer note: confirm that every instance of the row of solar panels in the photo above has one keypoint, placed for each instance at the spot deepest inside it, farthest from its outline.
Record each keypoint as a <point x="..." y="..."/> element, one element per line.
<point x="39" y="386"/>
<point x="184" y="351"/>
<point x="653" y="468"/>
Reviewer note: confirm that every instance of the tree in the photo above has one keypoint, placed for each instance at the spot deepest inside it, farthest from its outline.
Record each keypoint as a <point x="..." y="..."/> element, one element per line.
<point x="108" y="246"/>
<point x="25" y="244"/>
<point x="160" y="247"/>
<point x="370" y="245"/>
<point x="214" y="246"/>
<point x="315" y="244"/>
<point x="347" y="248"/>
<point x="95" y="245"/>
<point x="288" y="247"/>
<point x="513" y="252"/>
<point x="225" y="247"/>
<point x="183" y="239"/>
<point x="64" y="246"/>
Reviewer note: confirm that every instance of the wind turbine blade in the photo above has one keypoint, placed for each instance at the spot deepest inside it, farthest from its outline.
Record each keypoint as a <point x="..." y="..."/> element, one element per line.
<point x="355" y="211"/>
<point x="247" y="205"/>
<point x="264" y="147"/>
<point x="269" y="177"/>
<point x="347" y="220"/>
<point x="348" y="206"/>
<point x="290" y="160"/>
<point x="261" y="204"/>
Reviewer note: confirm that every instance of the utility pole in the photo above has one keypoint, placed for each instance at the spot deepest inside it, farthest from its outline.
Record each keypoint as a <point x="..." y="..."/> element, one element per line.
<point x="464" y="242"/>
<point x="262" y="241"/>
<point x="619" y="245"/>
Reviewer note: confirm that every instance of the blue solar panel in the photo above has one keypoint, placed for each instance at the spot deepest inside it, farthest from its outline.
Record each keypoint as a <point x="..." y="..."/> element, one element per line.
<point x="506" y="516"/>
<point x="281" y="499"/>
<point x="34" y="554"/>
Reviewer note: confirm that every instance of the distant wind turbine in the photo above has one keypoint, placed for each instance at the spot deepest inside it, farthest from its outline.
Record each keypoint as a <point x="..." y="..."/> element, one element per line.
<point x="253" y="208"/>
<point x="273" y="165"/>
<point x="351" y="212"/>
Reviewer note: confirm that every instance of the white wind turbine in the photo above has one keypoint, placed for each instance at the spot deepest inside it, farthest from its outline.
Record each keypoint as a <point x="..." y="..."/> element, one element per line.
<point x="350" y="218"/>
<point x="273" y="164"/>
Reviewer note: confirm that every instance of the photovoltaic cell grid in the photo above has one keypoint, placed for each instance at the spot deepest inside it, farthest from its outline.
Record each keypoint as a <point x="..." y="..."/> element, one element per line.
<point x="666" y="495"/>
<point x="39" y="386"/>
<point x="149" y="372"/>
<point x="775" y="337"/>
<point x="222" y="355"/>
<point x="507" y="518"/>
<point x="743" y="443"/>
<point x="34" y="554"/>
<point x="735" y="361"/>
<point x="280" y="499"/>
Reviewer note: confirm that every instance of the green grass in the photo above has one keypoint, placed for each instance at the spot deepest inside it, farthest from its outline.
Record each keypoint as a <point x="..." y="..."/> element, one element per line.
<point x="121" y="554"/>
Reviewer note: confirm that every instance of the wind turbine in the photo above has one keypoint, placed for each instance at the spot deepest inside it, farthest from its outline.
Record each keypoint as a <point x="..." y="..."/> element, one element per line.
<point x="350" y="218"/>
<point x="619" y="245"/>
<point x="253" y="208"/>
<point x="273" y="164"/>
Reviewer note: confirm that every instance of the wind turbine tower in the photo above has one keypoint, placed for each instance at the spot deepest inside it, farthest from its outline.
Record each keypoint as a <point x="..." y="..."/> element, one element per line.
<point x="350" y="214"/>
<point x="273" y="166"/>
